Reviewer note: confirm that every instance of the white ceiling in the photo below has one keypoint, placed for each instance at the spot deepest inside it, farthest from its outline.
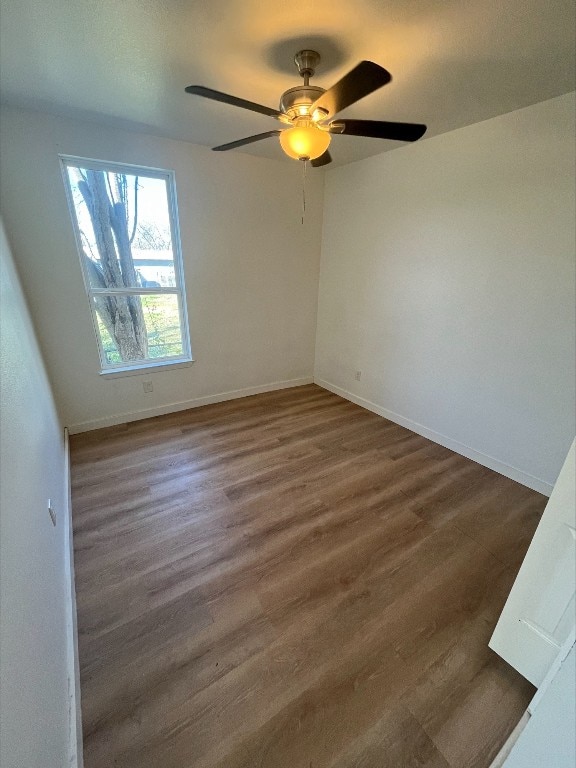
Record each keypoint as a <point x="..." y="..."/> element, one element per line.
<point x="127" y="62"/>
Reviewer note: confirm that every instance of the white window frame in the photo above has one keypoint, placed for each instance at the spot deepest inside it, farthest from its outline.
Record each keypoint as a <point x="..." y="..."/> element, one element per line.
<point x="139" y="366"/>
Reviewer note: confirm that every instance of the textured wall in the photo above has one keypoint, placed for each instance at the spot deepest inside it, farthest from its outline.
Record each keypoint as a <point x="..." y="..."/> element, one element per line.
<point x="34" y="592"/>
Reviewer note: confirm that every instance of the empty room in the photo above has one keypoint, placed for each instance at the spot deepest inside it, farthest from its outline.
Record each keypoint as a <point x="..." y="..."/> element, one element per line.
<point x="288" y="390"/>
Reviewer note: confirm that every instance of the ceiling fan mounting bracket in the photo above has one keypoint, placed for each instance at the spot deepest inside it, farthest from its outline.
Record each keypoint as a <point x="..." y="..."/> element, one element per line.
<point x="307" y="61"/>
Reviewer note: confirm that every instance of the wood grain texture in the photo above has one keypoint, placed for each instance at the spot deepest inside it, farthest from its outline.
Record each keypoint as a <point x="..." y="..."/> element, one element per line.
<point x="290" y="581"/>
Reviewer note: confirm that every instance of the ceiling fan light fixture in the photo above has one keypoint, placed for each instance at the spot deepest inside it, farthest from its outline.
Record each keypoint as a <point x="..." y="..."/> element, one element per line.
<point x="305" y="141"/>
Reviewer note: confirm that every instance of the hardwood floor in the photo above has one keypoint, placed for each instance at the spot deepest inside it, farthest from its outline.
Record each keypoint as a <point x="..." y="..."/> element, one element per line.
<point x="290" y="581"/>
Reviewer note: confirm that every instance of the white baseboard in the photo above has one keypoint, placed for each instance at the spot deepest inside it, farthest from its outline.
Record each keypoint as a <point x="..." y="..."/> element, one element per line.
<point x="470" y="453"/>
<point x="75" y="746"/>
<point x="220" y="397"/>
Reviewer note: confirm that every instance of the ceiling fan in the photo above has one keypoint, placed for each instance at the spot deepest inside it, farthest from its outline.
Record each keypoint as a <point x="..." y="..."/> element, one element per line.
<point x="307" y="111"/>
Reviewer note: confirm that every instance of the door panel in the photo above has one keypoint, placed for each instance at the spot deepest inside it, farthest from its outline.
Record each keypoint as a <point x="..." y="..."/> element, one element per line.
<point x="539" y="614"/>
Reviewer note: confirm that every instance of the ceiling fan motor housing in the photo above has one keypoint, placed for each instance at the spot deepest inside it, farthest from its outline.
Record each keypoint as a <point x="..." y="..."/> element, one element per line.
<point x="296" y="102"/>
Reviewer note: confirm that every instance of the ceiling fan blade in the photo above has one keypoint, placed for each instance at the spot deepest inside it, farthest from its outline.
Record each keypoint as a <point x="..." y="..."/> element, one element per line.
<point x="379" y="129"/>
<point x="248" y="140"/>
<point x="322" y="160"/>
<point x="365" y="78"/>
<point x="209" y="93"/>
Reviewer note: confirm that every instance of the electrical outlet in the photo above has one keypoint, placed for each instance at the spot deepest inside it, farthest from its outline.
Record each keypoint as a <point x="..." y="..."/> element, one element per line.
<point x="358" y="375"/>
<point x="148" y="386"/>
<point x="51" y="512"/>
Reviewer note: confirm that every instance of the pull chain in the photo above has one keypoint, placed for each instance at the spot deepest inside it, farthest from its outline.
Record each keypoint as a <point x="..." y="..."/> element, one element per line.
<point x="304" y="190"/>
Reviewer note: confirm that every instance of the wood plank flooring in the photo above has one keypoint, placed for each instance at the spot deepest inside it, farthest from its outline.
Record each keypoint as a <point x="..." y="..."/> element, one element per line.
<point x="290" y="581"/>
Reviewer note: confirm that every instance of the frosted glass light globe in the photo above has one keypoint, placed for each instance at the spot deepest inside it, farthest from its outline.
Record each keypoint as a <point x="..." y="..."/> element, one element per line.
<point x="305" y="141"/>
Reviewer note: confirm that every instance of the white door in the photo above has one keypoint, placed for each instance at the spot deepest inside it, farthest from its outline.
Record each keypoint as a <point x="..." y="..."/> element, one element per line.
<point x="548" y="737"/>
<point x="540" y="613"/>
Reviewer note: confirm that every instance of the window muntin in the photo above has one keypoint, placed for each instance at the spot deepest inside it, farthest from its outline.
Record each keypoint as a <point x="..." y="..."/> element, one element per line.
<point x="126" y="227"/>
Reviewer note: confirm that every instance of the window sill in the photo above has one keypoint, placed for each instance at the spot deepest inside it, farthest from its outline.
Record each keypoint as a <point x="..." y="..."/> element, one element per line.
<point x="143" y="370"/>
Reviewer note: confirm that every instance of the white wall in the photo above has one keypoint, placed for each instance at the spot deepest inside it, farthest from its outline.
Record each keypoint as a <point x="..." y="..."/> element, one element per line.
<point x="251" y="267"/>
<point x="448" y="280"/>
<point x="34" y="590"/>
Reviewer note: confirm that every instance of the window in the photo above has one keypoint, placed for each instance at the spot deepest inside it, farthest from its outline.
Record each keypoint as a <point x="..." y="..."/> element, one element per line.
<point x="126" y="225"/>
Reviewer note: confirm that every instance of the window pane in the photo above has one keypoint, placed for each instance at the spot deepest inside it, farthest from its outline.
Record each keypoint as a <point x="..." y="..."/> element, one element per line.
<point x="134" y="328"/>
<point x="124" y="227"/>
<point x="125" y="220"/>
